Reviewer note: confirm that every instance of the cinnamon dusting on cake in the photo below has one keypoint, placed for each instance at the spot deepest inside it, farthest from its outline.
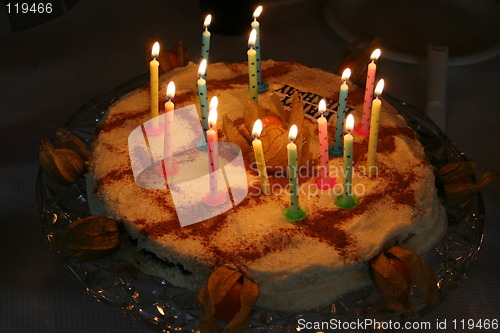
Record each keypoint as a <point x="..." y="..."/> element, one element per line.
<point x="113" y="176"/>
<point x="119" y="119"/>
<point x="386" y="143"/>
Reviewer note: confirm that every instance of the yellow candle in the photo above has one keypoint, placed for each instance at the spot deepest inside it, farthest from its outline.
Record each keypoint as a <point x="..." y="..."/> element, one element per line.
<point x="153" y="82"/>
<point x="374" y="125"/>
<point x="259" y="157"/>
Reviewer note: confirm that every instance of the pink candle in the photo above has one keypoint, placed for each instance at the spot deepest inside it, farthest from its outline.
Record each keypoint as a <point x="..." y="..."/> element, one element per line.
<point x="169" y="127"/>
<point x="323" y="139"/>
<point x="324" y="181"/>
<point x="213" y="151"/>
<point x="214" y="103"/>
<point x="364" y="127"/>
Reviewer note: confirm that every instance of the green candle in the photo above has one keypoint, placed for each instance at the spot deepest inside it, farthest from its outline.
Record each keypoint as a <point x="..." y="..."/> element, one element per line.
<point x="347" y="199"/>
<point x="348" y="149"/>
<point x="293" y="212"/>
<point x="252" y="67"/>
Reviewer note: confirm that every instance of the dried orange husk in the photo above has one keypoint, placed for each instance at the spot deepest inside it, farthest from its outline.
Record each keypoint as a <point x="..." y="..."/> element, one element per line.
<point x="218" y="285"/>
<point x="251" y="114"/>
<point x="89" y="238"/>
<point x="249" y="296"/>
<point x="356" y="59"/>
<point x="181" y="52"/>
<point x="174" y="57"/>
<point x="69" y="141"/>
<point x="296" y="116"/>
<point x="456" y="193"/>
<point x="421" y="274"/>
<point x="306" y="149"/>
<point x="392" y="286"/>
<point x="458" y="186"/>
<point x="456" y="171"/>
<point x="62" y="165"/>
<point x="235" y="136"/>
<point x="274" y="140"/>
<point x="277" y="109"/>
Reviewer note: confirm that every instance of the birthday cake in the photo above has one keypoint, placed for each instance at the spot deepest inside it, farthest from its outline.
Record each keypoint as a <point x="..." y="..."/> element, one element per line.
<point x="297" y="265"/>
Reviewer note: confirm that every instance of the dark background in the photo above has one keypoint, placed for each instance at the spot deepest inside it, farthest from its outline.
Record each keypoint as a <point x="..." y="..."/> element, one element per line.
<point x="49" y="70"/>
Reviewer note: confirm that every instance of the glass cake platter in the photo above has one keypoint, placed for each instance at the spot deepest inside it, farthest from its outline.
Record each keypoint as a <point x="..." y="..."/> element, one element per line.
<point x="164" y="307"/>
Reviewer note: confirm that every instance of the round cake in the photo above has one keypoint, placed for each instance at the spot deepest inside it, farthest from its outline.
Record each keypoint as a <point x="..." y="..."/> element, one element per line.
<point x="298" y="266"/>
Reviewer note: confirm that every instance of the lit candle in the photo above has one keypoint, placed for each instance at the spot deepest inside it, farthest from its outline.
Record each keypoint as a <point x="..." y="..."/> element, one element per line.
<point x="169" y="127"/>
<point x="364" y="127"/>
<point x="252" y="67"/>
<point x="256" y="25"/>
<point x="374" y="125"/>
<point x="205" y="40"/>
<point x="214" y="103"/>
<point x="153" y="82"/>
<point x="293" y="212"/>
<point x="214" y="197"/>
<point x="324" y="181"/>
<point x="213" y="152"/>
<point x="347" y="199"/>
<point x="202" y="95"/>
<point x="344" y="90"/>
<point x="348" y="149"/>
<point x="259" y="157"/>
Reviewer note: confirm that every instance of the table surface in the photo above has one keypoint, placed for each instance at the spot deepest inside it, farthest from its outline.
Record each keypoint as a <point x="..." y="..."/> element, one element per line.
<point x="49" y="71"/>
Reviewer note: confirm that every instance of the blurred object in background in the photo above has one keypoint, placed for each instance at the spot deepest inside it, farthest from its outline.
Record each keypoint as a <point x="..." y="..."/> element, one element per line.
<point x="437" y="69"/>
<point x="469" y="28"/>
<point x="229" y="17"/>
<point x="27" y="14"/>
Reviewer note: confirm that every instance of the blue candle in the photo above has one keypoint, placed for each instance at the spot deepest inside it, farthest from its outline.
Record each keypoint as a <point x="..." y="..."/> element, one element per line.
<point x="205" y="41"/>
<point x="336" y="150"/>
<point x="202" y="95"/>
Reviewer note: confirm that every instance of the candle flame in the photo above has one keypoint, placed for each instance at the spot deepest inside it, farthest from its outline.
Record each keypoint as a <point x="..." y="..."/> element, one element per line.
<point x="322" y="107"/>
<point x="171" y="90"/>
<point x="212" y="117"/>
<point x="257" y="12"/>
<point x="375" y="54"/>
<point x="346" y="74"/>
<point x="379" y="87"/>
<point x="208" y="20"/>
<point x="252" y="38"/>
<point x="257" y="129"/>
<point x="349" y="123"/>
<point x="214" y="103"/>
<point x="292" y="134"/>
<point x="155" y="50"/>
<point x="203" y="68"/>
